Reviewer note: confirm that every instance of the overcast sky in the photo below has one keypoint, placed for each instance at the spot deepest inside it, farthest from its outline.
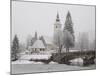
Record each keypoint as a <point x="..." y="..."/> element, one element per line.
<point x="28" y="17"/>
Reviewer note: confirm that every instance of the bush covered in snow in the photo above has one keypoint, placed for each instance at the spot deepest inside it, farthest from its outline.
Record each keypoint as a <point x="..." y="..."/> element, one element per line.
<point x="77" y="62"/>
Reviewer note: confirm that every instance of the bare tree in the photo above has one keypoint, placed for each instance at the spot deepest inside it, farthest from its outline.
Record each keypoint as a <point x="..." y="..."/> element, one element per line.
<point x="94" y="44"/>
<point x="83" y="41"/>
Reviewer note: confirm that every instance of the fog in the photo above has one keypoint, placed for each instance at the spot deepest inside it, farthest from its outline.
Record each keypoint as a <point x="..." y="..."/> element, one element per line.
<point x="30" y="17"/>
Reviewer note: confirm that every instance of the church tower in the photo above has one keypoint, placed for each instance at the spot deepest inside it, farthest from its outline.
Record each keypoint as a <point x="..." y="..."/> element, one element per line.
<point x="57" y="24"/>
<point x="57" y="29"/>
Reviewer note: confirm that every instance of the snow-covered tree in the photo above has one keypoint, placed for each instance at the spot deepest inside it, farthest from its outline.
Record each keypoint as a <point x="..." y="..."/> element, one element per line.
<point x="59" y="40"/>
<point x="29" y="41"/>
<point x="69" y="23"/>
<point x="33" y="39"/>
<point x="15" y="48"/>
<point x="83" y="41"/>
<point x="94" y="44"/>
<point x="22" y="47"/>
<point x="68" y="33"/>
<point x="68" y="40"/>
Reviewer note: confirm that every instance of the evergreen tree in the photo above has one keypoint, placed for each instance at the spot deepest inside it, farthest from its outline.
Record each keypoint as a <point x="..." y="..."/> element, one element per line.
<point x="84" y="41"/>
<point x="68" y="32"/>
<point x="15" y="48"/>
<point x="29" y="41"/>
<point x="68" y="23"/>
<point x="34" y="39"/>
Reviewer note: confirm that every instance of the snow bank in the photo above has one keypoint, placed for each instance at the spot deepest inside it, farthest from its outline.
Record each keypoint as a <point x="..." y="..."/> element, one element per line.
<point x="35" y="56"/>
<point x="77" y="61"/>
<point x="26" y="62"/>
<point x="22" y="62"/>
<point x="52" y="62"/>
<point x="38" y="63"/>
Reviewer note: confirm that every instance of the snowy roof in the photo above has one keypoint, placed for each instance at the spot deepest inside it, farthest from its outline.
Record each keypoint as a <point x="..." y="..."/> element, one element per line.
<point x="38" y="44"/>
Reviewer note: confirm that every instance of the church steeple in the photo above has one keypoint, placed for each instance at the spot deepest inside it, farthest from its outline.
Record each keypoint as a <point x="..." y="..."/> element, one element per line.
<point x="57" y="19"/>
<point x="57" y="24"/>
<point x="57" y="30"/>
<point x="35" y="35"/>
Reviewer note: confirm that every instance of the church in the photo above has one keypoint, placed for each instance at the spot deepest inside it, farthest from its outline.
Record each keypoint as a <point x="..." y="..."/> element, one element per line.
<point x="43" y="44"/>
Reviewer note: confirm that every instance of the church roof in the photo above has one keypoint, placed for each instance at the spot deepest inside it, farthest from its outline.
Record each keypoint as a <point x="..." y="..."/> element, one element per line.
<point x="38" y="44"/>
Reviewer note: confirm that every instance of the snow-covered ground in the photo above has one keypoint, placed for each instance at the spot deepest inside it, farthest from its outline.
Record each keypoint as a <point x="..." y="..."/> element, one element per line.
<point x="52" y="62"/>
<point x="64" y="50"/>
<point x="77" y="61"/>
<point x="35" y="56"/>
<point x="26" y="62"/>
<point x="25" y="66"/>
<point x="30" y="62"/>
<point x="33" y="68"/>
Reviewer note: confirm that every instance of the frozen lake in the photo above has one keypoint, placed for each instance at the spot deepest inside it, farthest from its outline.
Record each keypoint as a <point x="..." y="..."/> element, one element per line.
<point x="33" y="68"/>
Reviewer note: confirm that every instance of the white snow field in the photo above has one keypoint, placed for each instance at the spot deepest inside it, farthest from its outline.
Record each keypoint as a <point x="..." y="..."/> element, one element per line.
<point x="52" y="62"/>
<point x="26" y="62"/>
<point x="77" y="61"/>
<point x="34" y="56"/>
<point x="22" y="62"/>
<point x="34" y="68"/>
<point x="23" y="65"/>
